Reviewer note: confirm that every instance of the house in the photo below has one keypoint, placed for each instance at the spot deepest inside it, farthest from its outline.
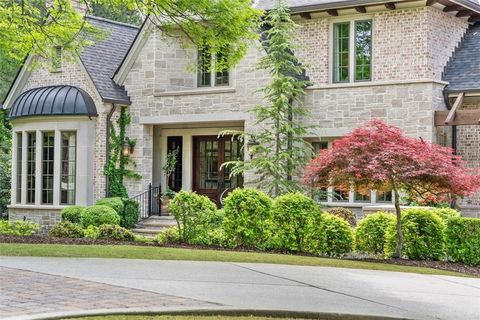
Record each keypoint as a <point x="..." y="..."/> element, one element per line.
<point x="414" y="64"/>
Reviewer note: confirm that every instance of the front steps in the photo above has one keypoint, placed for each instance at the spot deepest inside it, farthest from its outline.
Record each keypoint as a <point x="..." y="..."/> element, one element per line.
<point x="153" y="225"/>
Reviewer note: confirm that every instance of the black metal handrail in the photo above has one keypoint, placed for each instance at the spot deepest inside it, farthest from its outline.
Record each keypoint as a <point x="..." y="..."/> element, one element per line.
<point x="149" y="202"/>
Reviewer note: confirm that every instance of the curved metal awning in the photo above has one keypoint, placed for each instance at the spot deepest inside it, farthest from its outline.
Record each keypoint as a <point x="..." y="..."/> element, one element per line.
<point x="53" y="101"/>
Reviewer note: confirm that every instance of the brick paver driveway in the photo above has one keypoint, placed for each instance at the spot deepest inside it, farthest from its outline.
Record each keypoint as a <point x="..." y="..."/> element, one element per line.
<point x="31" y="293"/>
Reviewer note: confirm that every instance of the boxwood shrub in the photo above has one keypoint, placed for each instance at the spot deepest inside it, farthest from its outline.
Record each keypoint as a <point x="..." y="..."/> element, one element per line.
<point x="114" y="203"/>
<point x="292" y="215"/>
<point x="370" y="232"/>
<point x="191" y="211"/>
<point x="66" y="229"/>
<point x="129" y="216"/>
<point x="98" y="215"/>
<point x="333" y="236"/>
<point x="463" y="240"/>
<point x="114" y="232"/>
<point x="248" y="217"/>
<point x="18" y="228"/>
<point x="422" y="235"/>
<point x="345" y="214"/>
<point x="72" y="214"/>
<point x="446" y="213"/>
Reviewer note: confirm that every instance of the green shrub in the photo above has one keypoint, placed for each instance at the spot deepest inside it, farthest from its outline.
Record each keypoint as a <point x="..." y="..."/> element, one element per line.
<point x="114" y="232"/>
<point x="422" y="235"/>
<point x="462" y="237"/>
<point x="114" y="203"/>
<point x="98" y="215"/>
<point x="446" y="213"/>
<point x="292" y="214"/>
<point x="170" y="235"/>
<point x="131" y="211"/>
<point x="345" y="214"/>
<point x="209" y="230"/>
<point x="18" y="228"/>
<point x="370" y="232"/>
<point x="248" y="218"/>
<point x="66" y="229"/>
<point x="332" y="236"/>
<point x="91" y="232"/>
<point x="72" y="214"/>
<point x="190" y="210"/>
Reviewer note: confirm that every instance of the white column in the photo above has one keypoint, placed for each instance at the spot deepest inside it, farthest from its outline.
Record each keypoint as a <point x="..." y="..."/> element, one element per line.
<point x="24" y="168"/>
<point x="57" y="167"/>
<point x="38" y="169"/>
<point x="373" y="196"/>
<point x="13" y="190"/>
<point x="187" y="162"/>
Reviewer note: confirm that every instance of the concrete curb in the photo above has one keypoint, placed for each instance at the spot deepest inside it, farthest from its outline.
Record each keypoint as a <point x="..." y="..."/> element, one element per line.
<point x="220" y="311"/>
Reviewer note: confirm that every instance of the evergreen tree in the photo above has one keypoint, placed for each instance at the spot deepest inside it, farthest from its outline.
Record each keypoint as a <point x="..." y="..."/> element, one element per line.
<point x="280" y="149"/>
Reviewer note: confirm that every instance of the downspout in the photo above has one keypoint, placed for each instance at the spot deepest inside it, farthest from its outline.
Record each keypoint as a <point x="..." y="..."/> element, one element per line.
<point x="107" y="144"/>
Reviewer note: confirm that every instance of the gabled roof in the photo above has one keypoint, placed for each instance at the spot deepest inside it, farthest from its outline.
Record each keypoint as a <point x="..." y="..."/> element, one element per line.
<point x="102" y="59"/>
<point x="463" y="71"/>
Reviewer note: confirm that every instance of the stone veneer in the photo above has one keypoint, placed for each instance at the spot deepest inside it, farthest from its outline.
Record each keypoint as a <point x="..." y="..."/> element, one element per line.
<point x="46" y="217"/>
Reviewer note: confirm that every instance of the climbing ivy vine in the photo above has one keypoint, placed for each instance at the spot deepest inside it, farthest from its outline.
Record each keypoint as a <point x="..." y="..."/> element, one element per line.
<point x="119" y="166"/>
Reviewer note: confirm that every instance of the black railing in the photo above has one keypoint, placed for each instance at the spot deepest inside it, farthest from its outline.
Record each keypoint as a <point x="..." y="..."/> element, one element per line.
<point x="149" y="202"/>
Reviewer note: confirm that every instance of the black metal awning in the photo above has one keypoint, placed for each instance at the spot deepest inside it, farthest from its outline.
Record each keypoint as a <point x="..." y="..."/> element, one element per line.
<point x="53" y="101"/>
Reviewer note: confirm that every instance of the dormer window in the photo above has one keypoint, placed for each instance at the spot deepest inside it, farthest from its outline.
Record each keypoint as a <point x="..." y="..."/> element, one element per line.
<point x="352" y="65"/>
<point x="207" y="76"/>
<point x="57" y="60"/>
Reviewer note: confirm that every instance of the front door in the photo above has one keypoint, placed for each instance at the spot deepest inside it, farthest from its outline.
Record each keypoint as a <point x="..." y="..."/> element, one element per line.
<point x="210" y="152"/>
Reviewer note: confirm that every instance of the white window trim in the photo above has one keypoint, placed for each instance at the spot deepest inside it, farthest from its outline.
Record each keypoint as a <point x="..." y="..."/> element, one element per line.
<point x="351" y="44"/>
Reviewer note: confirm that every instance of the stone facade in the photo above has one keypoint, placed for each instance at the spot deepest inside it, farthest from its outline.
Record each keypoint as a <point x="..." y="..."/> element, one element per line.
<point x="46" y="217"/>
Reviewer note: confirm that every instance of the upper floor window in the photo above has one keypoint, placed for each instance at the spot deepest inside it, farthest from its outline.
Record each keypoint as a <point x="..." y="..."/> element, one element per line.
<point x="207" y="76"/>
<point x="57" y="60"/>
<point x="352" y="51"/>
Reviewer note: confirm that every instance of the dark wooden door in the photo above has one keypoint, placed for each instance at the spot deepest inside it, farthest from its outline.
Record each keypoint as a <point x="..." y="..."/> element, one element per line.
<point x="210" y="153"/>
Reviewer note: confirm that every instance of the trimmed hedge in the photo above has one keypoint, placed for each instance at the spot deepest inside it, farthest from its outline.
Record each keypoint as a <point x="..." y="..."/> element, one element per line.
<point x="292" y="215"/>
<point x="345" y="214"/>
<point x="114" y="232"/>
<point x="115" y="203"/>
<point x="72" y="214"/>
<point x="463" y="240"/>
<point x="131" y="211"/>
<point x="66" y="229"/>
<point x="98" y="215"/>
<point x="422" y="235"/>
<point x="370" y="232"/>
<point x="18" y="228"/>
<point x="191" y="211"/>
<point x="333" y="236"/>
<point x="446" y="213"/>
<point x="248" y="218"/>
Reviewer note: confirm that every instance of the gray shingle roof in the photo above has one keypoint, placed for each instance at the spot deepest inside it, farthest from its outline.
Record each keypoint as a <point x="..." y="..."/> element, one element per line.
<point x="463" y="71"/>
<point x="102" y="59"/>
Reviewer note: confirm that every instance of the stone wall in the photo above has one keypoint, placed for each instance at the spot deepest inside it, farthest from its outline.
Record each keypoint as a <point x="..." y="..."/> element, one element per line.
<point x="45" y="217"/>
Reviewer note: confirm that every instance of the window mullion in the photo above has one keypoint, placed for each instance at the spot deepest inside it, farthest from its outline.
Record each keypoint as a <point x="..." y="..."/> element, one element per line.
<point x="351" y="52"/>
<point x="56" y="168"/>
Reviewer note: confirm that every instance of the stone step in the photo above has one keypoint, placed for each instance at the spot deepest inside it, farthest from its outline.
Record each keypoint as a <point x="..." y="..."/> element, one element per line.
<point x="149" y="233"/>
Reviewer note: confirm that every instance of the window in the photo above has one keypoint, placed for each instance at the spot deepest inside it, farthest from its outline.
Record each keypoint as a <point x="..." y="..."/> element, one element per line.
<point x="321" y="194"/>
<point x="68" y="167"/>
<point x="359" y="197"/>
<point x="31" y="155"/>
<point x="19" y="167"/>
<point x="206" y="71"/>
<point x="48" y="149"/>
<point x="351" y="64"/>
<point x="57" y="59"/>
<point x="340" y="195"/>
<point x="385" y="196"/>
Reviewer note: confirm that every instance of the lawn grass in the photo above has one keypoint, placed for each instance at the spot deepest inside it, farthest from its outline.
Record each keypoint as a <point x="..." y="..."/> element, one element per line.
<point x="163" y="253"/>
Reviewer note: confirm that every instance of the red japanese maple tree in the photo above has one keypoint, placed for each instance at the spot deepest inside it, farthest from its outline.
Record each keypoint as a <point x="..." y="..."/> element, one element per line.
<point x="381" y="157"/>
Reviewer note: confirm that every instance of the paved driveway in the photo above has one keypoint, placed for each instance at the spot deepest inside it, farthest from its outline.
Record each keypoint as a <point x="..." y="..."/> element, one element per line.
<point x="253" y="286"/>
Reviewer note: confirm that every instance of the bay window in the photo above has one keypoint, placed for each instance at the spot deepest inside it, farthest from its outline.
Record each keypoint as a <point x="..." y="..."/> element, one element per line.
<point x="31" y="158"/>
<point x="48" y="151"/>
<point x="352" y="51"/>
<point x="68" y="168"/>
<point x="19" y="167"/>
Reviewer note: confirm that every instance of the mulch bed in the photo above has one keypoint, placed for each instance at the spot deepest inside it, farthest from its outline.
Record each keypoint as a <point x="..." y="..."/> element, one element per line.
<point x="441" y="265"/>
